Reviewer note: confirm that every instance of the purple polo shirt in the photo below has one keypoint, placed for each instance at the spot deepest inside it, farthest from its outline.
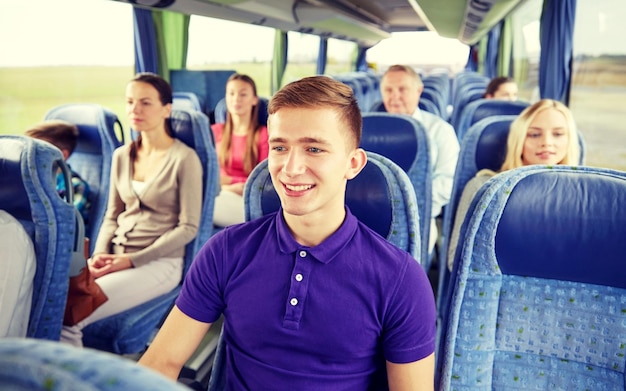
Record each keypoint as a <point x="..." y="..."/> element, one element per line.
<point x="302" y="318"/>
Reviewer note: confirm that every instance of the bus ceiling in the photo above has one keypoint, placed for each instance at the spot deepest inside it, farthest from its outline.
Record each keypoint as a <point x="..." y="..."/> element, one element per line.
<point x="363" y="21"/>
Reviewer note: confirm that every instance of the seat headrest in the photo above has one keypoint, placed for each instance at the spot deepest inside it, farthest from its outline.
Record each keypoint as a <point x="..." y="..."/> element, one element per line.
<point x="367" y="192"/>
<point x="183" y="127"/>
<point x="393" y="136"/>
<point x="488" y="107"/>
<point x="491" y="145"/>
<point x="565" y="223"/>
<point x="93" y="122"/>
<point x="186" y="101"/>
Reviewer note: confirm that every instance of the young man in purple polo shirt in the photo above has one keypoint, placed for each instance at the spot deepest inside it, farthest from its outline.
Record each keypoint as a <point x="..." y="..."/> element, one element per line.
<point x="312" y="298"/>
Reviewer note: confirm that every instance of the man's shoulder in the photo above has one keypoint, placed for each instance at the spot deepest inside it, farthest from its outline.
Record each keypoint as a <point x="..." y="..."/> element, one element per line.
<point x="244" y="232"/>
<point x="434" y="119"/>
<point x="374" y="244"/>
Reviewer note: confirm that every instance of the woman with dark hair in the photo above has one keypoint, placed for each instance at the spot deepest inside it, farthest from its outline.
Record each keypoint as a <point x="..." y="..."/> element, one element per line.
<point x="153" y="211"/>
<point x="241" y="144"/>
<point x="502" y="87"/>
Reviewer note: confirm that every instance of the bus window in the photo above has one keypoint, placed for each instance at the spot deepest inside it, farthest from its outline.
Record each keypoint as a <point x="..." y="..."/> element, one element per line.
<point x="58" y="52"/>
<point x="340" y="56"/>
<point x="301" y="56"/>
<point x="598" y="86"/>
<point x="526" y="49"/>
<point x="222" y="44"/>
<point x="424" y="50"/>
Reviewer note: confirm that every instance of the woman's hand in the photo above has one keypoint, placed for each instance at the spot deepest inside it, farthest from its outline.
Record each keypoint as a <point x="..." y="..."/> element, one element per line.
<point x="225" y="180"/>
<point x="102" y="264"/>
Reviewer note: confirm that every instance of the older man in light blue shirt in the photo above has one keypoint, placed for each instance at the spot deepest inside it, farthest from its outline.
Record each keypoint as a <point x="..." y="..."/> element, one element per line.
<point x="401" y="88"/>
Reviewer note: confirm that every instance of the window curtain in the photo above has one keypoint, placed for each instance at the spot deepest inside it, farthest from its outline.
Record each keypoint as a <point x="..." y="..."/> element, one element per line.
<point x="505" y="50"/>
<point x="322" y="56"/>
<point x="491" y="51"/>
<point x="361" y="63"/>
<point x="556" y="35"/>
<point x="145" y="41"/>
<point x="279" y="61"/>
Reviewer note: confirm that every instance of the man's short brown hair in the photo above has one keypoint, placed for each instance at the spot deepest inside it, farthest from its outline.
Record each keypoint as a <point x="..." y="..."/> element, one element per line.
<point x="322" y="92"/>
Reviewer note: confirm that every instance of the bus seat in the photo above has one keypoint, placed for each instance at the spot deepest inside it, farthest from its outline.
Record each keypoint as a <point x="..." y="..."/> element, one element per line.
<point x="437" y="97"/>
<point x="130" y="331"/>
<point x="220" y="111"/>
<point x="92" y="156"/>
<point x="28" y="192"/>
<point x="423" y="104"/>
<point x="381" y="186"/>
<point x="539" y="287"/>
<point x="186" y="101"/>
<point x="355" y="84"/>
<point x="482" y="108"/>
<point x="484" y="147"/>
<point x="466" y="95"/>
<point x="28" y="364"/>
<point x="403" y="140"/>
<point x="466" y="77"/>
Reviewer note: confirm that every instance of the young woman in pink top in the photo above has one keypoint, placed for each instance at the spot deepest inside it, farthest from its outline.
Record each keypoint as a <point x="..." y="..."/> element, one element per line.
<point x="241" y="144"/>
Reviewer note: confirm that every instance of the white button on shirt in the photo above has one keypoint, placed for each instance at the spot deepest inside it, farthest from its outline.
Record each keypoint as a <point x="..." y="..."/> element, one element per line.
<point x="299" y="277"/>
<point x="302" y="253"/>
<point x="294" y="301"/>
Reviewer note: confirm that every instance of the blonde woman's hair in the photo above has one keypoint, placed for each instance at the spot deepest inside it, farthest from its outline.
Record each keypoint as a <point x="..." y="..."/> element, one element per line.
<point x="519" y="130"/>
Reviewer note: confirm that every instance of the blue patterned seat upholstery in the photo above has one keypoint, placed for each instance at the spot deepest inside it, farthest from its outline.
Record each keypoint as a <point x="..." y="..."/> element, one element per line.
<point x="539" y="287"/>
<point x="403" y="140"/>
<point x="92" y="156"/>
<point x="27" y="364"/>
<point x="129" y="331"/>
<point x="28" y="192"/>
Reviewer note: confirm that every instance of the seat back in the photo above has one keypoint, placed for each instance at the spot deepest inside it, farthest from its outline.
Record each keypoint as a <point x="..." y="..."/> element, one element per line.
<point x="466" y="94"/>
<point x="220" y="111"/>
<point x="403" y="140"/>
<point x="91" y="159"/>
<point x="381" y="186"/>
<point x="484" y="147"/>
<point x="423" y="104"/>
<point x="186" y="101"/>
<point x="130" y="331"/>
<point x="483" y="108"/>
<point x="28" y="169"/>
<point x="540" y="284"/>
<point x="27" y="364"/>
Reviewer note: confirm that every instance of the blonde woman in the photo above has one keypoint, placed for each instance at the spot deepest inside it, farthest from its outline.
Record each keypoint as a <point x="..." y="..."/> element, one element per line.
<point x="544" y="133"/>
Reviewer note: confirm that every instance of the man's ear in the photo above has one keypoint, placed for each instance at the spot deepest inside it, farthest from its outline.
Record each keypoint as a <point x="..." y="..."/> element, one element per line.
<point x="358" y="160"/>
<point x="66" y="154"/>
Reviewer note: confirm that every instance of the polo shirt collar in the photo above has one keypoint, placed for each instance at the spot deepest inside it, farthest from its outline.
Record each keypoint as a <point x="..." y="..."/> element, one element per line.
<point x="417" y="114"/>
<point x="323" y="252"/>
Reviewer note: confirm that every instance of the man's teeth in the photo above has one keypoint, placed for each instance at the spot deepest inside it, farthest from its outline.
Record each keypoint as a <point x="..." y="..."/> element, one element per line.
<point x="299" y="187"/>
